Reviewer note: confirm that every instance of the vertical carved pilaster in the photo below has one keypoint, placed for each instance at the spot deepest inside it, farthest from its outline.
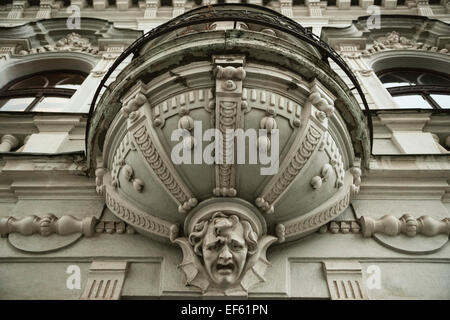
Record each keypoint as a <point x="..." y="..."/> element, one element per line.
<point x="229" y="75"/>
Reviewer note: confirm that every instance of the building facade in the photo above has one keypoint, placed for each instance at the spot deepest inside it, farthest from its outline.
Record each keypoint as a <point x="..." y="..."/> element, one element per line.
<point x="180" y="149"/>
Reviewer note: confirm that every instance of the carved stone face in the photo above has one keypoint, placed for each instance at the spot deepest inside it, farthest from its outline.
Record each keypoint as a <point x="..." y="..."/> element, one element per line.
<point x="224" y="251"/>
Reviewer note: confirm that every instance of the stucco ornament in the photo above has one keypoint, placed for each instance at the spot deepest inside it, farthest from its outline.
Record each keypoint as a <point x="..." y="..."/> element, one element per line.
<point x="224" y="255"/>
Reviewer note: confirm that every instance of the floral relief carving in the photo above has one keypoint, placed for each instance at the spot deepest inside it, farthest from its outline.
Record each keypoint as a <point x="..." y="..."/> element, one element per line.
<point x="394" y="41"/>
<point x="71" y="42"/>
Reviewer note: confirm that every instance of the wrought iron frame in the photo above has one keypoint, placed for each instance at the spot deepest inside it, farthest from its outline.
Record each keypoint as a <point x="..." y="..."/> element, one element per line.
<point x="265" y="17"/>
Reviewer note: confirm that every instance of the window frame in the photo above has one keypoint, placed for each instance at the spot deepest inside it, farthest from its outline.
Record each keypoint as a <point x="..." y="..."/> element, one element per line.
<point x="423" y="90"/>
<point x="38" y="93"/>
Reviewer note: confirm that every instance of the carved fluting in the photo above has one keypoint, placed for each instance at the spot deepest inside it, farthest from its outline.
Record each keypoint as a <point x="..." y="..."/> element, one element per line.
<point x="126" y="145"/>
<point x="47" y="225"/>
<point x="332" y="150"/>
<point x="228" y="111"/>
<point x="72" y="42"/>
<point x="296" y="163"/>
<point x="148" y="149"/>
<point x="143" y="221"/>
<point x="393" y="41"/>
<point x="344" y="279"/>
<point x="406" y="224"/>
<point x="304" y="224"/>
<point x="105" y="280"/>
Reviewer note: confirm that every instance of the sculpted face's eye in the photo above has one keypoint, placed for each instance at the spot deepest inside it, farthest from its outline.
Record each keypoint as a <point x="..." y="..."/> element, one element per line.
<point x="213" y="246"/>
<point x="236" y="246"/>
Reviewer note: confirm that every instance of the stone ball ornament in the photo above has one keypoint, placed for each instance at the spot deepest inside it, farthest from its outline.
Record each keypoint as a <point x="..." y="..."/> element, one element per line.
<point x="208" y="141"/>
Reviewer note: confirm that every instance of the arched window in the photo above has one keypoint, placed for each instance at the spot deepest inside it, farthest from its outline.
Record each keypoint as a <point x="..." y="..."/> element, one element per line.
<point x="45" y="91"/>
<point x="417" y="88"/>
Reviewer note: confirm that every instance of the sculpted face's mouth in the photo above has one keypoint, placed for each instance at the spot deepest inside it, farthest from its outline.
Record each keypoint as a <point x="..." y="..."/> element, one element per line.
<point x="225" y="269"/>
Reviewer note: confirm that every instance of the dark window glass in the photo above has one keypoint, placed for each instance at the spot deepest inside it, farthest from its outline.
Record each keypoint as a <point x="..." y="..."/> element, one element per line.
<point x="45" y="91"/>
<point x="400" y="2"/>
<point x="417" y="88"/>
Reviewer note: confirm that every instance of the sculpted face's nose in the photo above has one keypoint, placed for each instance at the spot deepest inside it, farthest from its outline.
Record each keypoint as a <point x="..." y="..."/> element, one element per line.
<point x="225" y="254"/>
